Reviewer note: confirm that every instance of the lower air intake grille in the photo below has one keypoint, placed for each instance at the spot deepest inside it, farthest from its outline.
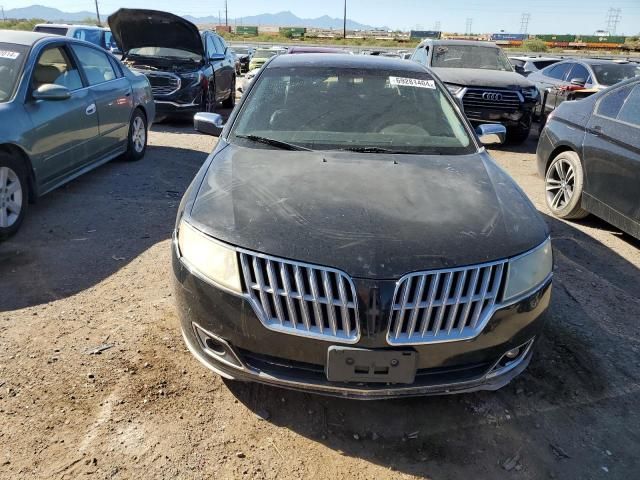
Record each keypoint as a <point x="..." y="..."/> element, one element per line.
<point x="301" y="299"/>
<point x="444" y="305"/>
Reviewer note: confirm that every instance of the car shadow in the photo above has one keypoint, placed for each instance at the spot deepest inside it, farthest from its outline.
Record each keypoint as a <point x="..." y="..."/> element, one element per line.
<point x="580" y="368"/>
<point x="83" y="232"/>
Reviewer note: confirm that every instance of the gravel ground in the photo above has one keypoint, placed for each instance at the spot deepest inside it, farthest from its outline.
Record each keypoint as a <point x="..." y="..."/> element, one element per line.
<point x="90" y="270"/>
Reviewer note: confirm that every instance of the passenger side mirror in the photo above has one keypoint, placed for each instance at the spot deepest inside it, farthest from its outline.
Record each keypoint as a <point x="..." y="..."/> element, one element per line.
<point x="216" y="57"/>
<point x="51" y="91"/>
<point x="578" y="81"/>
<point x="208" y="123"/>
<point x="491" y="133"/>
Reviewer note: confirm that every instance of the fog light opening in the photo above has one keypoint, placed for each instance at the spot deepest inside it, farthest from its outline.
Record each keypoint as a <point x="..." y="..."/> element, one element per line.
<point x="513" y="353"/>
<point x="511" y="359"/>
<point x="215" y="346"/>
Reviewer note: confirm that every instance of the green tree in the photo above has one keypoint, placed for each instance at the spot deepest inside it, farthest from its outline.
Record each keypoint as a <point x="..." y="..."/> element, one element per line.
<point x="534" y="45"/>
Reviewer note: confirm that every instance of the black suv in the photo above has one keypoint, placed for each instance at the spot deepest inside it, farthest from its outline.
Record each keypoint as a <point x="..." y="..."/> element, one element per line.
<point x="189" y="71"/>
<point x="481" y="77"/>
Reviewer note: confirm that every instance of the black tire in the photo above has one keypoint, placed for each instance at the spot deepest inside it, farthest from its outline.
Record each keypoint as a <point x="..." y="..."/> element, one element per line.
<point x="137" y="139"/>
<point x="230" y="101"/>
<point x="563" y="183"/>
<point x="14" y="190"/>
<point x="209" y="99"/>
<point x="518" y="135"/>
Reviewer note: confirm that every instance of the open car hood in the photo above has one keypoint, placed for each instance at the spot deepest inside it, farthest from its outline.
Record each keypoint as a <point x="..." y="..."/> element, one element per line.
<point x="137" y="28"/>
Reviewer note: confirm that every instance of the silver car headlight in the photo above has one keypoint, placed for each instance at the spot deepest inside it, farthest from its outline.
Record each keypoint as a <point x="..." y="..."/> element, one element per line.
<point x="530" y="93"/>
<point x="209" y="258"/>
<point x="527" y="272"/>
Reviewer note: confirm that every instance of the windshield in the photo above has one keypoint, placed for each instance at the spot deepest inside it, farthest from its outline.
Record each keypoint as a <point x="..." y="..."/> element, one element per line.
<point x="333" y="108"/>
<point x="260" y="53"/>
<point x="470" y="56"/>
<point x="12" y="58"/>
<point x="165" y="53"/>
<point x="612" y="73"/>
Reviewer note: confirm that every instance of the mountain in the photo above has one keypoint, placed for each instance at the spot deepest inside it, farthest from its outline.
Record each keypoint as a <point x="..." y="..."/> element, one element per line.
<point x="281" y="19"/>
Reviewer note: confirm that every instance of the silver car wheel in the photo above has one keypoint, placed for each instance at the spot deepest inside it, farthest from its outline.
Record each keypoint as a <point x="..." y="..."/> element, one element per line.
<point x="10" y="197"/>
<point x="560" y="184"/>
<point x="139" y="136"/>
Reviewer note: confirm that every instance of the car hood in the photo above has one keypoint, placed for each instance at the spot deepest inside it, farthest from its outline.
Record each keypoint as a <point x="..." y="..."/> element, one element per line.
<point x="476" y="77"/>
<point x="137" y="28"/>
<point x="372" y="216"/>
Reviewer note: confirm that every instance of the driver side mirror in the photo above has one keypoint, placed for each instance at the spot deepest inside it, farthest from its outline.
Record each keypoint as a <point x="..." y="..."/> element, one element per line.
<point x="208" y="123"/>
<point x="51" y="91"/>
<point x="491" y="133"/>
<point x="580" y="82"/>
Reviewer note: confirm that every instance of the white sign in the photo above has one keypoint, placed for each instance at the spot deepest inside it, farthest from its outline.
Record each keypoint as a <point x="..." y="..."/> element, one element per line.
<point x="412" y="82"/>
<point x="9" y="54"/>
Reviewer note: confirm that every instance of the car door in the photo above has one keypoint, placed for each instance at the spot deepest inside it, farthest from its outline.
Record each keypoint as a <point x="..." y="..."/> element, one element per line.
<point x="611" y="151"/>
<point x="113" y="98"/>
<point x="228" y="66"/>
<point x="63" y="130"/>
<point x="550" y="79"/>
<point x="216" y="66"/>
<point x="579" y="71"/>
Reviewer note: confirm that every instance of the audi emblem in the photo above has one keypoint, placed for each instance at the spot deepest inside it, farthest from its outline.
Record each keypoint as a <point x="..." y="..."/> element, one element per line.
<point x="492" y="96"/>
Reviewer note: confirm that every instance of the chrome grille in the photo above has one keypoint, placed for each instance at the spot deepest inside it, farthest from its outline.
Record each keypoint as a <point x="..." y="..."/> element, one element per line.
<point x="503" y="100"/>
<point x="163" y="83"/>
<point x="444" y="305"/>
<point x="301" y="299"/>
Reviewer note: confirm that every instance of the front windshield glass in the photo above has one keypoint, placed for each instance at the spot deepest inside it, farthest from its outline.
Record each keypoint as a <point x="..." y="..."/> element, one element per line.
<point x="357" y="109"/>
<point x="262" y="53"/>
<point x="611" y="73"/>
<point x="12" y="57"/>
<point x="470" y="56"/>
<point x="174" y="53"/>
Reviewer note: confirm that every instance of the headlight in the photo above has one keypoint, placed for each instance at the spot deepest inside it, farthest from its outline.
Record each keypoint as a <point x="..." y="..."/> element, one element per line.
<point x="454" y="89"/>
<point x="528" y="271"/>
<point x="209" y="258"/>
<point x="530" y="92"/>
<point x="194" y="77"/>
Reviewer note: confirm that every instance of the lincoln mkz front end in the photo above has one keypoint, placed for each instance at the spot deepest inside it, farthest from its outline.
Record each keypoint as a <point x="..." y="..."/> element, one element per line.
<point x="358" y="256"/>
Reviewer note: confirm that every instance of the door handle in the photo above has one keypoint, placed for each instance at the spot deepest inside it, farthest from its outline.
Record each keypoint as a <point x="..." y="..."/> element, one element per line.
<point x="596" y="130"/>
<point x="91" y="109"/>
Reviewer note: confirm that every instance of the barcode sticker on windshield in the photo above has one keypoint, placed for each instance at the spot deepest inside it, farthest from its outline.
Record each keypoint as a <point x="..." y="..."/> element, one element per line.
<point x="9" y="54"/>
<point x="412" y="82"/>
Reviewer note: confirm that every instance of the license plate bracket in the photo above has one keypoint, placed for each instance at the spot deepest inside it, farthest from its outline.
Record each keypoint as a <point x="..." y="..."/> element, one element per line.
<point x="349" y="364"/>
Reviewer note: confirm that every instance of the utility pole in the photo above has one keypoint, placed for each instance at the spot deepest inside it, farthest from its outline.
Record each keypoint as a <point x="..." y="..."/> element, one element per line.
<point x="436" y="26"/>
<point x="219" y="18"/>
<point x="226" y="14"/>
<point x="524" y="22"/>
<point x="613" y="18"/>
<point x="3" y="17"/>
<point x="98" y="13"/>
<point x="468" y="27"/>
<point x="344" y="24"/>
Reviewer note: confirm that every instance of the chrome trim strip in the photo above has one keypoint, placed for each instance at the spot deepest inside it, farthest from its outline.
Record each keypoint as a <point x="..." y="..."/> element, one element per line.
<point x="178" y="105"/>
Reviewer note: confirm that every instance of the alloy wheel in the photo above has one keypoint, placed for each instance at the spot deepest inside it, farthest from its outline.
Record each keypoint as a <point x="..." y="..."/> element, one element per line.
<point x="139" y="136"/>
<point x="560" y="184"/>
<point x="210" y="105"/>
<point x="10" y="197"/>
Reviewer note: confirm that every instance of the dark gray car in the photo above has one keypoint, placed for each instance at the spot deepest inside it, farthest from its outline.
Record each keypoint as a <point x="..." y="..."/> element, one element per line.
<point x="350" y="235"/>
<point x="66" y="106"/>
<point x="589" y="156"/>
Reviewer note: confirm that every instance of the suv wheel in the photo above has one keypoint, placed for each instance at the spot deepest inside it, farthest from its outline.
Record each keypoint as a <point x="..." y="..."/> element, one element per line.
<point x="137" y="140"/>
<point x="209" y="100"/>
<point x="563" y="184"/>
<point x="231" y="100"/>
<point x="13" y="194"/>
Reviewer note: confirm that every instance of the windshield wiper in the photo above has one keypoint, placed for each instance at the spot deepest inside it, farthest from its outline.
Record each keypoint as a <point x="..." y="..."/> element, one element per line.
<point x="275" y="143"/>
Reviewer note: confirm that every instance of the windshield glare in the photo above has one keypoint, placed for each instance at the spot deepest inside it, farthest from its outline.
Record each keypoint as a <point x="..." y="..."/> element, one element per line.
<point x="329" y="109"/>
<point x="612" y="73"/>
<point x="241" y="50"/>
<point x="165" y="52"/>
<point x="470" y="56"/>
<point x="12" y="58"/>
<point x="264" y="53"/>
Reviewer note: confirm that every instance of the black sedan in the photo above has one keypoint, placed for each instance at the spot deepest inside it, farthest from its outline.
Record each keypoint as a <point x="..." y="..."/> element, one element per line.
<point x="589" y="156"/>
<point x="372" y="250"/>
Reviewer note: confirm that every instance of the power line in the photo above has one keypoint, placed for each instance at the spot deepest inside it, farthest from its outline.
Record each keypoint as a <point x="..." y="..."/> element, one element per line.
<point x="468" y="27"/>
<point x="613" y="18"/>
<point x="524" y="22"/>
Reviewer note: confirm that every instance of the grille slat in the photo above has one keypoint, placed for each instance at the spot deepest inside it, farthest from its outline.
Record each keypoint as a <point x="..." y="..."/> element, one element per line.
<point x="163" y="83"/>
<point x="508" y="100"/>
<point x="457" y="304"/>
<point x="301" y="299"/>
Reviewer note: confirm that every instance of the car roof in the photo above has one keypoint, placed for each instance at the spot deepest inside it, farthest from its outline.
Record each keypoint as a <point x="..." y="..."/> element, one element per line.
<point x="69" y="25"/>
<point x="526" y="58"/>
<point x="315" y="50"/>
<point x="23" y="38"/>
<point x="459" y="42"/>
<point x="337" y="60"/>
<point x="594" y="61"/>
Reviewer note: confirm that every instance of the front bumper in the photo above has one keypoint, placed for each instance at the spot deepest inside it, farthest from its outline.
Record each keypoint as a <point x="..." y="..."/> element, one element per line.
<point x="186" y="101"/>
<point x="251" y="352"/>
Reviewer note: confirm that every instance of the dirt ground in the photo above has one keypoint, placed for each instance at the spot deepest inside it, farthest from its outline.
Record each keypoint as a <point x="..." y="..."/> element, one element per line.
<point x="91" y="268"/>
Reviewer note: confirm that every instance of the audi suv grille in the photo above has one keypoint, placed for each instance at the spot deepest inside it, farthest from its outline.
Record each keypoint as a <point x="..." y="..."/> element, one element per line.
<point x="301" y="299"/>
<point x="444" y="305"/>
<point x="501" y="100"/>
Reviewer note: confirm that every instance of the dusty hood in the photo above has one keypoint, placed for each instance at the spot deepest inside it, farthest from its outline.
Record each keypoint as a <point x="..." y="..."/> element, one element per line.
<point x="365" y="214"/>
<point x="137" y="28"/>
<point x="474" y="77"/>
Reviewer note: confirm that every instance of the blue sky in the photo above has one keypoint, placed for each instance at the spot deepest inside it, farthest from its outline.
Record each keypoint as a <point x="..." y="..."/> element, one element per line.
<point x="547" y="16"/>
